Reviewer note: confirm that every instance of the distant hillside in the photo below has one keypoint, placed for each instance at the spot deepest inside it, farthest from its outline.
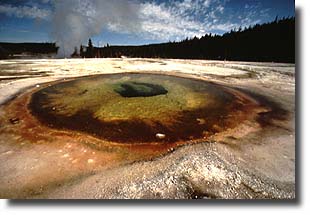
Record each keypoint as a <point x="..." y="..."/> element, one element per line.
<point x="8" y="50"/>
<point x="274" y="41"/>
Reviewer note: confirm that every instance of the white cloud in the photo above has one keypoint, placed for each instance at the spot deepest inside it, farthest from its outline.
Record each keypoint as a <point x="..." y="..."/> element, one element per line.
<point x="171" y="20"/>
<point x="188" y="18"/>
<point x="179" y="20"/>
<point x="25" y="11"/>
<point x="220" y="8"/>
<point x="164" y="23"/>
<point x="74" y="21"/>
<point x="206" y="3"/>
<point x="224" y="27"/>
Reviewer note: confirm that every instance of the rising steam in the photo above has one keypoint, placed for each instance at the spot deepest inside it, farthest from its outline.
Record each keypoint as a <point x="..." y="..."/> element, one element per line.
<point x="74" y="21"/>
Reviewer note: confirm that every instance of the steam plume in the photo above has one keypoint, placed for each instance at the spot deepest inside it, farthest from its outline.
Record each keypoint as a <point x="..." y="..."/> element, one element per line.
<point x="74" y="21"/>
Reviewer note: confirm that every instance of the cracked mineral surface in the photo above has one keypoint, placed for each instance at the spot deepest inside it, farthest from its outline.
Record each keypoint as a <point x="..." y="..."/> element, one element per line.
<point x="252" y="158"/>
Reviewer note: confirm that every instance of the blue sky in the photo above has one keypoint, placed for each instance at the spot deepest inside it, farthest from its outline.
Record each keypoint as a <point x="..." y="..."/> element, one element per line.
<point x="141" y="22"/>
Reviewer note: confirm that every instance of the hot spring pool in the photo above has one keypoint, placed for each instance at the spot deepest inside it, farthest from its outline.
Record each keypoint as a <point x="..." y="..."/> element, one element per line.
<point x="137" y="108"/>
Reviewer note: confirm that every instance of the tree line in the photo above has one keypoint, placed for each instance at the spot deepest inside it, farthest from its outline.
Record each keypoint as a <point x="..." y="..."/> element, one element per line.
<point x="273" y="41"/>
<point x="7" y="50"/>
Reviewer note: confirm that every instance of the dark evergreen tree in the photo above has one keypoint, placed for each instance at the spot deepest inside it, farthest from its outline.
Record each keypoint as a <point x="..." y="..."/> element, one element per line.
<point x="82" y="51"/>
<point x="7" y="50"/>
<point x="90" y="49"/>
<point x="273" y="41"/>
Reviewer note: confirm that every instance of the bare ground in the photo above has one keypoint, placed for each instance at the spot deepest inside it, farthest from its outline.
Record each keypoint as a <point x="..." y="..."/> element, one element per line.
<point x="249" y="161"/>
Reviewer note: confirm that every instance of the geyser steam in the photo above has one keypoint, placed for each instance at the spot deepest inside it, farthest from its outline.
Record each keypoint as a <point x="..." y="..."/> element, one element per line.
<point x="74" y="21"/>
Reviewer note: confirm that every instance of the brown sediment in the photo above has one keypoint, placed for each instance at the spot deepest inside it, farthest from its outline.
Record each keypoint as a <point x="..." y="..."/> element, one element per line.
<point x="184" y="125"/>
<point x="132" y="140"/>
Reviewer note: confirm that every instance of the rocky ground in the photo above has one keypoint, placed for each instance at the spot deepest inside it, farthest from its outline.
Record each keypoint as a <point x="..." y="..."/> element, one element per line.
<point x="251" y="161"/>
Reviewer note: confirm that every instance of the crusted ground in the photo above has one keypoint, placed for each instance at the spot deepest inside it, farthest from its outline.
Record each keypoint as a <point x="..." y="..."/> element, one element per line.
<point x="253" y="160"/>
